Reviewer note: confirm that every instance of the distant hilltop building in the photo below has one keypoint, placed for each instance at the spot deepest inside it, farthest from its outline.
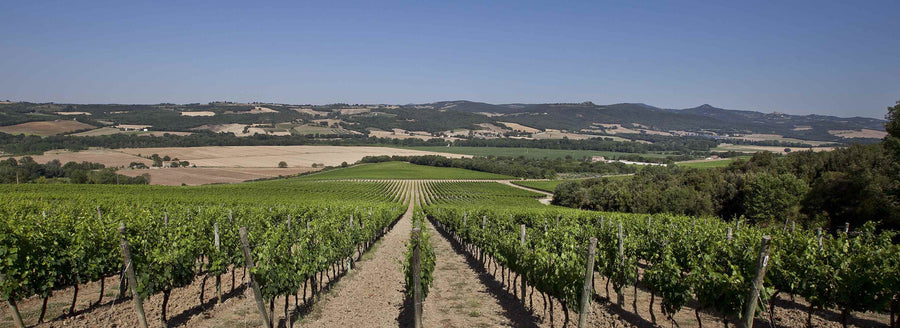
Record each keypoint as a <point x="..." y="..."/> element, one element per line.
<point x="598" y="159"/>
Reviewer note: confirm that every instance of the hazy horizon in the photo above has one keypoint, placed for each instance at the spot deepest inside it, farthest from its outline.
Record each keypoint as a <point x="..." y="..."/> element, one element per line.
<point x="827" y="58"/>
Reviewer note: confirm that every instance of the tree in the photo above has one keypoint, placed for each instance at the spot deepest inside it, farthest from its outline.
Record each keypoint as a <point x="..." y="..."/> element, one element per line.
<point x="282" y="164"/>
<point x="344" y="164"/>
<point x="892" y="126"/>
<point x="768" y="197"/>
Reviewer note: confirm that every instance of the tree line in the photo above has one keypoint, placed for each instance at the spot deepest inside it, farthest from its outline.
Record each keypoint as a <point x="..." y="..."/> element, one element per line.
<point x="535" y="168"/>
<point x="26" y="170"/>
<point x="856" y="184"/>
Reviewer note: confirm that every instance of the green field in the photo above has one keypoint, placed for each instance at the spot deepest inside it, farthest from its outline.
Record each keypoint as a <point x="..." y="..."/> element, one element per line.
<point x="402" y="170"/>
<point x="713" y="163"/>
<point x="480" y="194"/>
<point x="548" y="186"/>
<point x="529" y="152"/>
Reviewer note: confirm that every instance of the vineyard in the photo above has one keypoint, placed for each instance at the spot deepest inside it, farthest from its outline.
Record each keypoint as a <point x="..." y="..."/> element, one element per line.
<point x="706" y="263"/>
<point x="67" y="235"/>
<point x="327" y="252"/>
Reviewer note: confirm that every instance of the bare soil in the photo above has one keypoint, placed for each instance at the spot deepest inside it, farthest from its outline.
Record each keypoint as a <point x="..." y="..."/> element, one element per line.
<point x="374" y="294"/>
<point x="269" y="156"/>
<point x="464" y="297"/>
<point x="184" y="303"/>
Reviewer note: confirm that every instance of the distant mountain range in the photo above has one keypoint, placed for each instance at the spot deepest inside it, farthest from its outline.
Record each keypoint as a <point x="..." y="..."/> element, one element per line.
<point x="577" y="116"/>
<point x="448" y="119"/>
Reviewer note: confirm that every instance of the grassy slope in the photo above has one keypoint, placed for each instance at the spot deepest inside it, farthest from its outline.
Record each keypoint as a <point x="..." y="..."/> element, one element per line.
<point x="527" y="152"/>
<point x="489" y="194"/>
<point x="547" y="186"/>
<point x="402" y="170"/>
<point x="711" y="164"/>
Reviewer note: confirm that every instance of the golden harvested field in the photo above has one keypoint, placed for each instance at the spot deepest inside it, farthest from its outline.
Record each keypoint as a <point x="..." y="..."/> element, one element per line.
<point x="228" y="164"/>
<point x="45" y="128"/>
<point x="200" y="113"/>
<point x="97" y="132"/>
<point x="864" y="133"/>
<point x="556" y="134"/>
<point x="269" y="156"/>
<point x="618" y="128"/>
<point x="401" y="134"/>
<point x="132" y="126"/>
<point x="753" y="149"/>
<point x="775" y="137"/>
<point x="520" y="127"/>
<point x="193" y="176"/>
<point x="110" y="158"/>
<point x="163" y="133"/>
<point x="354" y="111"/>
<point x="310" y="112"/>
<point x="72" y="113"/>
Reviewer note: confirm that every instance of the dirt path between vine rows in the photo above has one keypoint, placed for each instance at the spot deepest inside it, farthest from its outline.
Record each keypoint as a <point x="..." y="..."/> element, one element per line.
<point x="372" y="295"/>
<point x="460" y="298"/>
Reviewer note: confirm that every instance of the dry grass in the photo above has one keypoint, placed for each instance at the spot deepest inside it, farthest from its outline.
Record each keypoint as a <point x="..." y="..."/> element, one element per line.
<point x="200" y="113"/>
<point x="753" y="149"/>
<point x="402" y="134"/>
<point x="228" y="164"/>
<point x="492" y="128"/>
<point x="269" y="156"/>
<point x="310" y="112"/>
<point x="618" y="128"/>
<point x="110" y="158"/>
<point x="45" y="128"/>
<point x="864" y="133"/>
<point x="162" y="133"/>
<point x="237" y="129"/>
<point x="556" y="134"/>
<point x="354" y="111"/>
<point x="72" y="113"/>
<point x="520" y="127"/>
<point x="775" y="137"/>
<point x="132" y="126"/>
<point x="97" y="132"/>
<point x="254" y="110"/>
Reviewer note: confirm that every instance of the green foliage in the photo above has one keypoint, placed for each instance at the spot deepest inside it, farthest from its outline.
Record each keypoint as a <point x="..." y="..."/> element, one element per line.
<point x="519" y="166"/>
<point x="547" y="186"/>
<point x="402" y="170"/>
<point x="855" y="184"/>
<point x="62" y="235"/>
<point x="768" y="198"/>
<point x="892" y="126"/>
<point x="427" y="257"/>
<point x="684" y="258"/>
<point x="536" y="153"/>
<point x="26" y="170"/>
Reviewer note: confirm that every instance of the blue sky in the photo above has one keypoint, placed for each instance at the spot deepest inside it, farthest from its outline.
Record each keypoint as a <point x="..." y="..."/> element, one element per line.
<point x="836" y="58"/>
